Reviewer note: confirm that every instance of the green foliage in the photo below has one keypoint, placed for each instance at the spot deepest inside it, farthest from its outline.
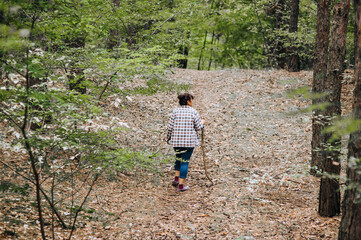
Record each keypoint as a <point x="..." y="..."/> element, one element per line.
<point x="58" y="59"/>
<point x="306" y="93"/>
<point x="244" y="34"/>
<point x="343" y="126"/>
<point x="126" y="159"/>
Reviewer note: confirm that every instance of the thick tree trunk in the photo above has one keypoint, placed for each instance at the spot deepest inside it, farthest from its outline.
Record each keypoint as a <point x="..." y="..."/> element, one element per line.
<point x="329" y="195"/>
<point x="293" y="63"/>
<point x="278" y="50"/>
<point x="319" y="78"/>
<point x="351" y="207"/>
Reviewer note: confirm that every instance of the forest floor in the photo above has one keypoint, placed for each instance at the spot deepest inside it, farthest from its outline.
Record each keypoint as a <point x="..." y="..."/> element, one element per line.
<point x="257" y="152"/>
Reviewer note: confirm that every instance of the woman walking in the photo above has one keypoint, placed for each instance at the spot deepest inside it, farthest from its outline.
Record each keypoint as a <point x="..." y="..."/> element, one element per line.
<point x="182" y="135"/>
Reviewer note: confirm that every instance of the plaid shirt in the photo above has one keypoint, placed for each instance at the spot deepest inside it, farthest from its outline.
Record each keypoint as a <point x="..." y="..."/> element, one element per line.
<point x="182" y="127"/>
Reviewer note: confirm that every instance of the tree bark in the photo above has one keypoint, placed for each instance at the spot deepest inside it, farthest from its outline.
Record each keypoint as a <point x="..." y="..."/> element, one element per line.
<point x="293" y="63"/>
<point x="329" y="195"/>
<point x="319" y="78"/>
<point x="351" y="207"/>
<point x="278" y="50"/>
<point x="211" y="57"/>
<point x="201" y="55"/>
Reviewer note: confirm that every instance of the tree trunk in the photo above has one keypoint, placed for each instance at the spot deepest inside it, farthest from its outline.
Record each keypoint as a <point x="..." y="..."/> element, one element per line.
<point x="351" y="207"/>
<point x="293" y="63"/>
<point x="211" y="57"/>
<point x="280" y="40"/>
<point x="278" y="50"/>
<point x="182" y="63"/>
<point x="201" y="55"/>
<point x="329" y="195"/>
<point x="29" y="150"/>
<point x="319" y="78"/>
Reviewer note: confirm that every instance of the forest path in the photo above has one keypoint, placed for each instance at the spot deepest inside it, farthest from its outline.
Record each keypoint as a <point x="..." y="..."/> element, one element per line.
<point x="258" y="155"/>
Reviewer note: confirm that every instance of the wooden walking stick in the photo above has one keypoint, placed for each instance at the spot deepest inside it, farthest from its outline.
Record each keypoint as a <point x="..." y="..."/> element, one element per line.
<point x="204" y="158"/>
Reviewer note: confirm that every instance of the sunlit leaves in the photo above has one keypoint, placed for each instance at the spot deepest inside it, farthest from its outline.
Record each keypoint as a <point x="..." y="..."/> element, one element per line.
<point x="343" y="127"/>
<point x="306" y="93"/>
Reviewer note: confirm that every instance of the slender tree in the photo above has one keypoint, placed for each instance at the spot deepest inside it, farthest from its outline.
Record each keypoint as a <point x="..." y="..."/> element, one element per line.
<point x="351" y="207"/>
<point x="202" y="49"/>
<point x="319" y="78"/>
<point x="293" y="63"/>
<point x="211" y="57"/>
<point x="329" y="195"/>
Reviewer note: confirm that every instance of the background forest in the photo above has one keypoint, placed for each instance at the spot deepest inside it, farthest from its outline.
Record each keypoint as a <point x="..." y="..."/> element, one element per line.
<point x="71" y="69"/>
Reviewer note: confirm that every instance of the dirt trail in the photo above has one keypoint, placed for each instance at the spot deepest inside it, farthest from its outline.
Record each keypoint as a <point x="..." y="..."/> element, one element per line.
<point x="258" y="155"/>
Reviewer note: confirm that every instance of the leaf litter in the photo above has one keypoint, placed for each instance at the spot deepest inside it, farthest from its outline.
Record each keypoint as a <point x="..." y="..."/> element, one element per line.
<point x="257" y="152"/>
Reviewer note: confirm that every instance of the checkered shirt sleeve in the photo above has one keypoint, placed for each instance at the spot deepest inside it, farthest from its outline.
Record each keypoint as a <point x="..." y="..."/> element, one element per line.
<point x="183" y="126"/>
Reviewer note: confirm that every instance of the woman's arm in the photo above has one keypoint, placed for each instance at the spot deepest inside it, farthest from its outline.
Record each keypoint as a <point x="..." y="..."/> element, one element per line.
<point x="170" y="128"/>
<point x="198" y="123"/>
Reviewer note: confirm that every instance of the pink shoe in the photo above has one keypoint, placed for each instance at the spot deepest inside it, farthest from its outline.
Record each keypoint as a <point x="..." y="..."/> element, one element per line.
<point x="182" y="188"/>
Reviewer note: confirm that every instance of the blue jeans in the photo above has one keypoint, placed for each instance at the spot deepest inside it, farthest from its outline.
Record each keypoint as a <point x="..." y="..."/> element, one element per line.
<point x="183" y="155"/>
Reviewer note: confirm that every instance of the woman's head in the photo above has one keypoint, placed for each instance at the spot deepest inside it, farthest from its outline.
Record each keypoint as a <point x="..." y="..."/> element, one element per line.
<point x="185" y="99"/>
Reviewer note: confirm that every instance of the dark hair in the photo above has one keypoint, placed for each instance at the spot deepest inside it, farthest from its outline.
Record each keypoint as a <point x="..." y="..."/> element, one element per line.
<point x="184" y="98"/>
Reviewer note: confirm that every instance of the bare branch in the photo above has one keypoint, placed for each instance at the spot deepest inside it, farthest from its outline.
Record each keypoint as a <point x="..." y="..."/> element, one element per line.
<point x="81" y="206"/>
<point x="108" y="82"/>
<point x="20" y="174"/>
<point x="41" y="190"/>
